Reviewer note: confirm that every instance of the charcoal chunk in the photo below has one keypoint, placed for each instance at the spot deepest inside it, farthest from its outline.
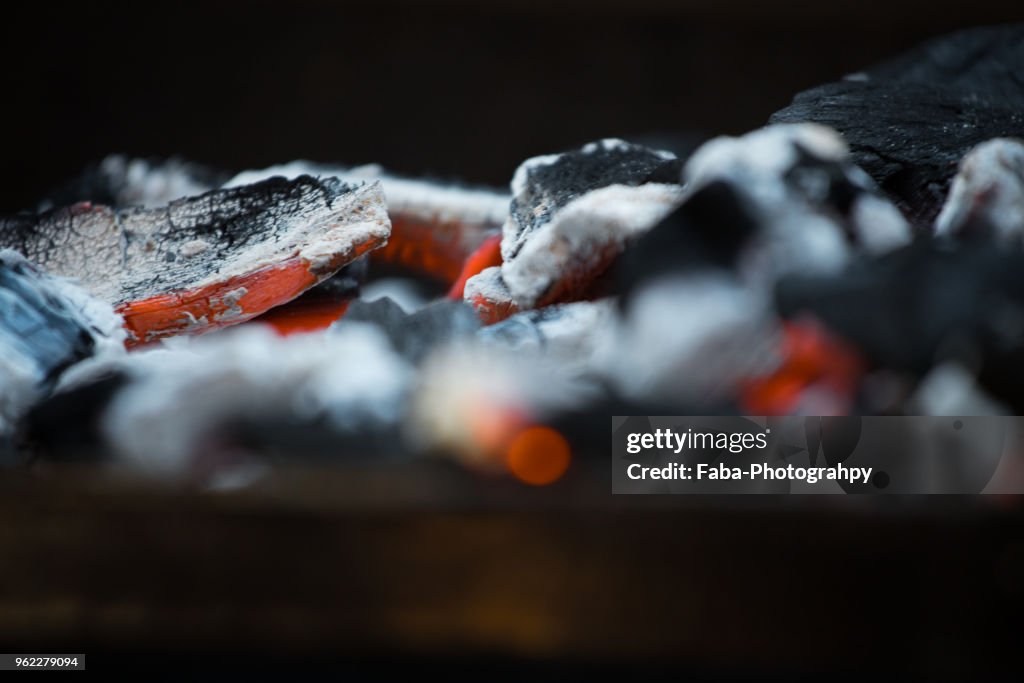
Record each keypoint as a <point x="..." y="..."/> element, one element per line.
<point x="709" y="230"/>
<point x="203" y="262"/>
<point x="572" y="214"/>
<point x="545" y="184"/>
<point x="46" y="326"/>
<point x="923" y="305"/>
<point x="413" y="335"/>
<point x="910" y="120"/>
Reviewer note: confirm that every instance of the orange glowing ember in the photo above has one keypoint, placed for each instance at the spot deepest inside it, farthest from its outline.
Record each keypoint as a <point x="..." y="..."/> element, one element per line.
<point x="230" y="302"/>
<point x="811" y="358"/>
<point x="431" y="248"/>
<point x="304" y="315"/>
<point x="538" y="456"/>
<point x="488" y="255"/>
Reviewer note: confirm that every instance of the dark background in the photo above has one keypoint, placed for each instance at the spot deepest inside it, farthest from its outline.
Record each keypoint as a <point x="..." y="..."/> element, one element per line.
<point x="451" y="88"/>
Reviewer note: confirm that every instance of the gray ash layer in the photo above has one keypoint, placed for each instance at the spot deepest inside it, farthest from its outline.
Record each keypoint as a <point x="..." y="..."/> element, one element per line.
<point x="909" y="121"/>
<point x="546" y="184"/>
<point x="129" y="254"/>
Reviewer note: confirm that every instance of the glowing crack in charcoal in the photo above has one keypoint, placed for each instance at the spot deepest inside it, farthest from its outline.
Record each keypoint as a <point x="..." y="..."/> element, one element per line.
<point x="572" y="214"/>
<point x="208" y="261"/>
<point x="47" y="324"/>
<point x="435" y="226"/>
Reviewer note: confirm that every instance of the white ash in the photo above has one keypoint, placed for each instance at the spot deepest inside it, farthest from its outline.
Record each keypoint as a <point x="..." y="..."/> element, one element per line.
<point x="987" y="194"/>
<point x="570" y="334"/>
<point x="427" y="201"/>
<point x="487" y="285"/>
<point x="123" y="255"/>
<point x="787" y="172"/>
<point x="573" y="212"/>
<point x="582" y="233"/>
<point x="179" y="398"/>
<point x="467" y="393"/>
<point x="193" y="248"/>
<point x="690" y="339"/>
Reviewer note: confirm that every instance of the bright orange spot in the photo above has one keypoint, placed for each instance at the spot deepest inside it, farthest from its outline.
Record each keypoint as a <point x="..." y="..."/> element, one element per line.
<point x="811" y="357"/>
<point x="488" y="255"/>
<point x="224" y="303"/>
<point x="434" y="249"/>
<point x="538" y="456"/>
<point x="491" y="312"/>
<point x="300" y="315"/>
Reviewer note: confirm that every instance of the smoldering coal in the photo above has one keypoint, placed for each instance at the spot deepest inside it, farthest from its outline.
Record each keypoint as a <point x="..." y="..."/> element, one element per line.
<point x="217" y="259"/>
<point x="573" y="213"/>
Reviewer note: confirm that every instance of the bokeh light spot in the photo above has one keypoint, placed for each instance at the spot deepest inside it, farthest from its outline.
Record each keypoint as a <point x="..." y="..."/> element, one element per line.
<point x="538" y="456"/>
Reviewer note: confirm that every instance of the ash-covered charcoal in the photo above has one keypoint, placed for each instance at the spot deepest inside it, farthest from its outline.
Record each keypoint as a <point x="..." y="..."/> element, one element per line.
<point x="572" y="333"/>
<point x="413" y="335"/>
<point x="489" y="296"/>
<point x="813" y="207"/>
<point x="691" y="339"/>
<point x="986" y="199"/>
<point x="909" y="121"/>
<point x="710" y="230"/>
<point x="435" y="226"/>
<point x="572" y="214"/>
<point x="923" y="305"/>
<point x="189" y="410"/>
<point x="120" y="181"/>
<point x="47" y="324"/>
<point x="204" y="262"/>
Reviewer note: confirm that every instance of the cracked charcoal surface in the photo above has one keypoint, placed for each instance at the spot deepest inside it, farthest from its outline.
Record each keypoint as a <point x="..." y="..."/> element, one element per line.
<point x="909" y="121"/>
<point x="546" y="184"/>
<point x="123" y="255"/>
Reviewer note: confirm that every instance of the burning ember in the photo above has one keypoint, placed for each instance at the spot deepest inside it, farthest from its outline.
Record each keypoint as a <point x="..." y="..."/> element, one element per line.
<point x="861" y="254"/>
